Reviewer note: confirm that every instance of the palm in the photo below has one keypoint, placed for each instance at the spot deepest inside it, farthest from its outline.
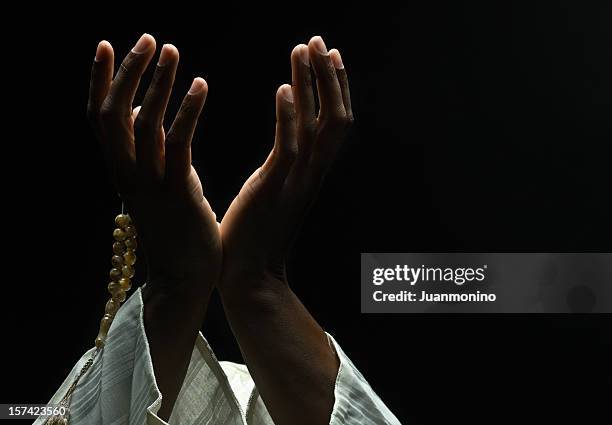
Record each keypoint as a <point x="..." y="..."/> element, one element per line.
<point x="152" y="170"/>
<point x="179" y="229"/>
<point x="251" y="225"/>
<point x="263" y="219"/>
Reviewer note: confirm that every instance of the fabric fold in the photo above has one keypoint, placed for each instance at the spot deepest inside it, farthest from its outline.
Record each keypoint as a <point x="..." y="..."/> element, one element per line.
<point x="120" y="387"/>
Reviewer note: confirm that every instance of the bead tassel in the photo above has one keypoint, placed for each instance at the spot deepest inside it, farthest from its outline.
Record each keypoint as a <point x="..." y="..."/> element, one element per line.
<point x="121" y="274"/>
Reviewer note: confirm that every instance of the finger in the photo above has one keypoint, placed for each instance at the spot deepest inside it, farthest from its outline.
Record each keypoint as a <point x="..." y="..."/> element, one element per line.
<point x="304" y="98"/>
<point x="135" y="112"/>
<point x="344" y="85"/>
<point x="330" y="95"/>
<point x="149" y="122"/>
<point x="178" y="141"/>
<point x="277" y="166"/>
<point x="119" y="101"/>
<point x="101" y="78"/>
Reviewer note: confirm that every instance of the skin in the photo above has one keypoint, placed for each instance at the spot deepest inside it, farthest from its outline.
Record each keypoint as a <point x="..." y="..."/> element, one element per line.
<point x="286" y="351"/>
<point x="188" y="253"/>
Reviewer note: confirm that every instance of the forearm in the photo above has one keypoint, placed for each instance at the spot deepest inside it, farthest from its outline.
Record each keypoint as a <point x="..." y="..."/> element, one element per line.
<point x="286" y="351"/>
<point x="172" y="322"/>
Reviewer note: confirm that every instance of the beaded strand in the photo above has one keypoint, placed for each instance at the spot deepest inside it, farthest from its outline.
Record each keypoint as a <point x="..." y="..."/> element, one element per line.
<point x="123" y="260"/>
<point x="121" y="274"/>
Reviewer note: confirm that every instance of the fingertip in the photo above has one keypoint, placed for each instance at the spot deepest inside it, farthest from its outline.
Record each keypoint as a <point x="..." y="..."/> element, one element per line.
<point x="145" y="43"/>
<point x="135" y="111"/>
<point x="285" y="92"/>
<point x="336" y="58"/>
<point x="301" y="52"/>
<point x="169" y="53"/>
<point x="318" y="45"/>
<point x="103" y="51"/>
<point x="199" y="85"/>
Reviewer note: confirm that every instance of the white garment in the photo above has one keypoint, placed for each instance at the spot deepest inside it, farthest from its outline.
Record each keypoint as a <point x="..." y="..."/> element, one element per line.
<point x="120" y="386"/>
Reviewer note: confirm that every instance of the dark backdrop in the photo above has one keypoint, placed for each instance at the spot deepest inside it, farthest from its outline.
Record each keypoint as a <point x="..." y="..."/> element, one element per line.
<point x="479" y="128"/>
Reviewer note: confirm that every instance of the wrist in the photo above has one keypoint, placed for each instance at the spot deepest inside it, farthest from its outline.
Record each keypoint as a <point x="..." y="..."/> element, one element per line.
<point x="188" y="292"/>
<point x="174" y="310"/>
<point x="262" y="292"/>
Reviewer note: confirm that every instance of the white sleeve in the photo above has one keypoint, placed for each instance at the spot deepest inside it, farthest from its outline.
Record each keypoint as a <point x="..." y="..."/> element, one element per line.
<point x="356" y="403"/>
<point x="120" y="386"/>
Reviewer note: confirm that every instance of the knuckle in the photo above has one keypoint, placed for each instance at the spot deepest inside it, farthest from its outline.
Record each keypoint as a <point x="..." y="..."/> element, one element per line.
<point x="187" y="109"/>
<point x="336" y="118"/>
<point x="107" y="111"/>
<point x="127" y="63"/>
<point x="158" y="76"/>
<point x="350" y="119"/>
<point x="339" y="114"/>
<point x="342" y="77"/>
<point x="341" y="120"/>
<point x="308" y="127"/>
<point x="288" y="116"/>
<point x="329" y="72"/>
<point x="127" y="68"/>
<point x="142" y="124"/>
<point x="190" y="107"/>
<point x="157" y="82"/>
<point x="187" y="116"/>
<point x="303" y="80"/>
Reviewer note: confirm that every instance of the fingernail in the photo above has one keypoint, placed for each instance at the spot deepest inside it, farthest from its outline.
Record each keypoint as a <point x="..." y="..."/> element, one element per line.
<point x="303" y="53"/>
<point x="319" y="45"/>
<point x="197" y="85"/>
<point x="287" y="93"/>
<point x="143" y="44"/>
<point x="336" y="58"/>
<point x="165" y="54"/>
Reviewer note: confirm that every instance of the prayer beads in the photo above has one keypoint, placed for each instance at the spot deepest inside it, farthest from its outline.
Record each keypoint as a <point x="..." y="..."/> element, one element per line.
<point x="121" y="274"/>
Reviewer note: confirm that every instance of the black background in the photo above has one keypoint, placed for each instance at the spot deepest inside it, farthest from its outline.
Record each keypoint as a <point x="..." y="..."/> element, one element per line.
<point x="481" y="128"/>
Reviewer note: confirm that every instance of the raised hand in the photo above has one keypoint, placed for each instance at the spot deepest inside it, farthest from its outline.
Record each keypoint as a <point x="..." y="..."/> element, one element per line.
<point x="152" y="171"/>
<point x="154" y="177"/>
<point x="287" y="352"/>
<point x="263" y="219"/>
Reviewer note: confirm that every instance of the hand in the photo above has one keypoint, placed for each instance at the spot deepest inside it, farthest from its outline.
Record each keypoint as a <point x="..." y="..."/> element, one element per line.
<point x="152" y="171"/>
<point x="287" y="352"/>
<point x="263" y="219"/>
<point x="163" y="194"/>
